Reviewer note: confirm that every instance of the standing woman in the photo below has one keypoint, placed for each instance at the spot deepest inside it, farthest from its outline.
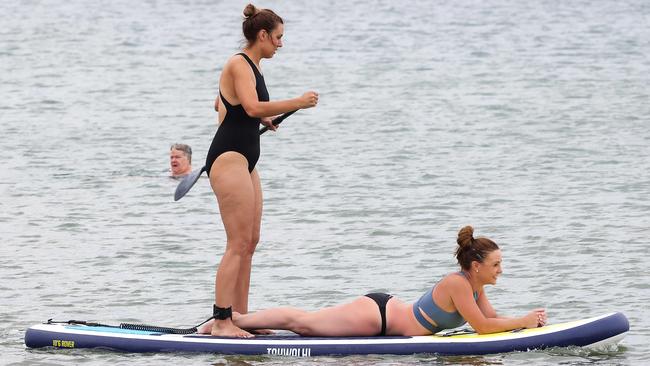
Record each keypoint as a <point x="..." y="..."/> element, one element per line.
<point x="243" y="104"/>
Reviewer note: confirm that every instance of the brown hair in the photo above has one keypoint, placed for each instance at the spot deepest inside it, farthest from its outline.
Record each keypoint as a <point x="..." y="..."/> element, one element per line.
<point x="257" y="19"/>
<point x="472" y="249"/>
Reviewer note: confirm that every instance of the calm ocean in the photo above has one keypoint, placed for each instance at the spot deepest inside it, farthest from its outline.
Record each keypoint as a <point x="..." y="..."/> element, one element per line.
<point x="529" y="120"/>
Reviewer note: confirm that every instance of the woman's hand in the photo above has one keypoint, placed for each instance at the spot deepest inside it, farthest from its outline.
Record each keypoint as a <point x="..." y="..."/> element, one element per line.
<point x="268" y="122"/>
<point x="536" y="318"/>
<point x="308" y="100"/>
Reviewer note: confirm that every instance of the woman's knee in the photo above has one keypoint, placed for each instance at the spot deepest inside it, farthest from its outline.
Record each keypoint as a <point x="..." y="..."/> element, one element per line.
<point x="244" y="247"/>
<point x="254" y="241"/>
<point x="301" y="325"/>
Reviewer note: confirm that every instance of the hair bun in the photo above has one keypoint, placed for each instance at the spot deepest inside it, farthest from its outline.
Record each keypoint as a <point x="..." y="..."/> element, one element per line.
<point x="250" y="10"/>
<point x="465" y="237"/>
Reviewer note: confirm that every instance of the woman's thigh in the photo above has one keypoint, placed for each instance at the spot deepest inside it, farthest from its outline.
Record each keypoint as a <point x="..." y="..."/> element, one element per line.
<point x="232" y="184"/>
<point x="358" y="318"/>
<point x="258" y="206"/>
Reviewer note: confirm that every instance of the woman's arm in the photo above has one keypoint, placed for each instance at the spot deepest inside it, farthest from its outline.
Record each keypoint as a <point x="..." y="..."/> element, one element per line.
<point x="463" y="299"/>
<point x="244" y="84"/>
<point x="489" y="312"/>
<point x="485" y="306"/>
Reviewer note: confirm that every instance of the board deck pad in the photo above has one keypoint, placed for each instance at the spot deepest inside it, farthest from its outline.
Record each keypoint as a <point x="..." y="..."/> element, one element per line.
<point x="602" y="330"/>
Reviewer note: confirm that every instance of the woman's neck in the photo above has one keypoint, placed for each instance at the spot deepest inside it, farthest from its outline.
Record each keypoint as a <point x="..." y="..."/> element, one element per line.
<point x="254" y="54"/>
<point x="473" y="281"/>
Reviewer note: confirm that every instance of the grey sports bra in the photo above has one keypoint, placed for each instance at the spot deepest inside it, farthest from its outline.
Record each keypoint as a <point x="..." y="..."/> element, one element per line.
<point x="443" y="319"/>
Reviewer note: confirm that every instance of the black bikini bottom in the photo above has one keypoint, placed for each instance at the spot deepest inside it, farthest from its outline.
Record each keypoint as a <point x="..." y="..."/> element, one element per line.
<point x="381" y="299"/>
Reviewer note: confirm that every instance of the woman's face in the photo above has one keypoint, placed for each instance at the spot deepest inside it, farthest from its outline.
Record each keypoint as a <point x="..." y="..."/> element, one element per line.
<point x="490" y="268"/>
<point x="271" y="41"/>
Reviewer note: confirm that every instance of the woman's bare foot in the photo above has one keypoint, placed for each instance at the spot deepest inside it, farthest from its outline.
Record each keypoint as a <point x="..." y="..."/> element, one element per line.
<point x="226" y="328"/>
<point x="205" y="328"/>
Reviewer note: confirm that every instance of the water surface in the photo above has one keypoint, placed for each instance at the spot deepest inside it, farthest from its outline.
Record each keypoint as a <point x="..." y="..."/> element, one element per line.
<point x="529" y="121"/>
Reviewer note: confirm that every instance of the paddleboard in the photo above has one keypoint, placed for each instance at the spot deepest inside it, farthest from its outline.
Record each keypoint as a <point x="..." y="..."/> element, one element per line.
<point x="600" y="331"/>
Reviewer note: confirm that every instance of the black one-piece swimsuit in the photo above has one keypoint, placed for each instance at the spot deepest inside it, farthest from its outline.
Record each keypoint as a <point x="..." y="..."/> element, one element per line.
<point x="239" y="132"/>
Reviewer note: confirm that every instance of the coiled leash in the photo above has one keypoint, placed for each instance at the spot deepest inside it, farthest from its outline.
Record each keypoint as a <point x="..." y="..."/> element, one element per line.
<point x="217" y="313"/>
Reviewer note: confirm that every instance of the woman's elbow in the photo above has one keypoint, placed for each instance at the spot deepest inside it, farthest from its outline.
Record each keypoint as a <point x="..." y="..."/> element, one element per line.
<point x="253" y="110"/>
<point x="482" y="328"/>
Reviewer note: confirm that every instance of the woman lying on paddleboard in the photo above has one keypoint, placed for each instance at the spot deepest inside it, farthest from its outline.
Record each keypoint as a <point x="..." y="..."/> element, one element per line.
<point x="458" y="298"/>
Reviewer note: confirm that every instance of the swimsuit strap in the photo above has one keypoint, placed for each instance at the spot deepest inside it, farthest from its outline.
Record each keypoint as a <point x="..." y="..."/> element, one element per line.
<point x="260" y="85"/>
<point x="475" y="293"/>
<point x="251" y="63"/>
<point x="255" y="71"/>
<point x="225" y="102"/>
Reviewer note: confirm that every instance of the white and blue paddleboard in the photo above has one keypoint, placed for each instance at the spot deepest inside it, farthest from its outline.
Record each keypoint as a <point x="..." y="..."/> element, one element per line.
<point x="605" y="330"/>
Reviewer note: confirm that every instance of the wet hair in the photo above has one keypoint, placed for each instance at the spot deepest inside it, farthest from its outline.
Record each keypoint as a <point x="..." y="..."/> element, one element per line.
<point x="257" y="19"/>
<point x="185" y="149"/>
<point x="472" y="249"/>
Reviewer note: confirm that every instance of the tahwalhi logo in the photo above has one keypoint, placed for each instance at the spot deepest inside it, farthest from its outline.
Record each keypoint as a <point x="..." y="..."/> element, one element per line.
<point x="292" y="352"/>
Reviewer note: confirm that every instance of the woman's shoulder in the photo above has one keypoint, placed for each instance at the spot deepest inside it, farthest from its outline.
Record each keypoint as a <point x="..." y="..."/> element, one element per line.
<point x="235" y="59"/>
<point x="454" y="275"/>
<point x="237" y="65"/>
<point x="455" y="279"/>
<point x="450" y="284"/>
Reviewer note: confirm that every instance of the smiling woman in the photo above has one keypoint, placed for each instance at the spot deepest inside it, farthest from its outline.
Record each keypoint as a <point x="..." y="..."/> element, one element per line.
<point x="459" y="297"/>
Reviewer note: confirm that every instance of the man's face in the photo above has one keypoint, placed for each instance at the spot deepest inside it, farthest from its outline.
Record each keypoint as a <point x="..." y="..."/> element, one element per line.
<point x="179" y="163"/>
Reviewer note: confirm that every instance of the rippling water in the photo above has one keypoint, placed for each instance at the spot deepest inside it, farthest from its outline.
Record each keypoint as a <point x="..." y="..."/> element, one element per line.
<point x="528" y="120"/>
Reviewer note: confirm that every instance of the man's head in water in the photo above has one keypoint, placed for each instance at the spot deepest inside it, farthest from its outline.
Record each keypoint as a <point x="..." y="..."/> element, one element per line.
<point x="180" y="160"/>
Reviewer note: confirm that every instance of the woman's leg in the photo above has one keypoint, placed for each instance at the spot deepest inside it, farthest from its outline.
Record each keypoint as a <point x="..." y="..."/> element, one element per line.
<point x="240" y="302"/>
<point x="359" y="318"/>
<point x="231" y="183"/>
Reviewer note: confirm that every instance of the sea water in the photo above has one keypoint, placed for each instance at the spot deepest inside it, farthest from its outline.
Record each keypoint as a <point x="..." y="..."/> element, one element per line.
<point x="528" y="120"/>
